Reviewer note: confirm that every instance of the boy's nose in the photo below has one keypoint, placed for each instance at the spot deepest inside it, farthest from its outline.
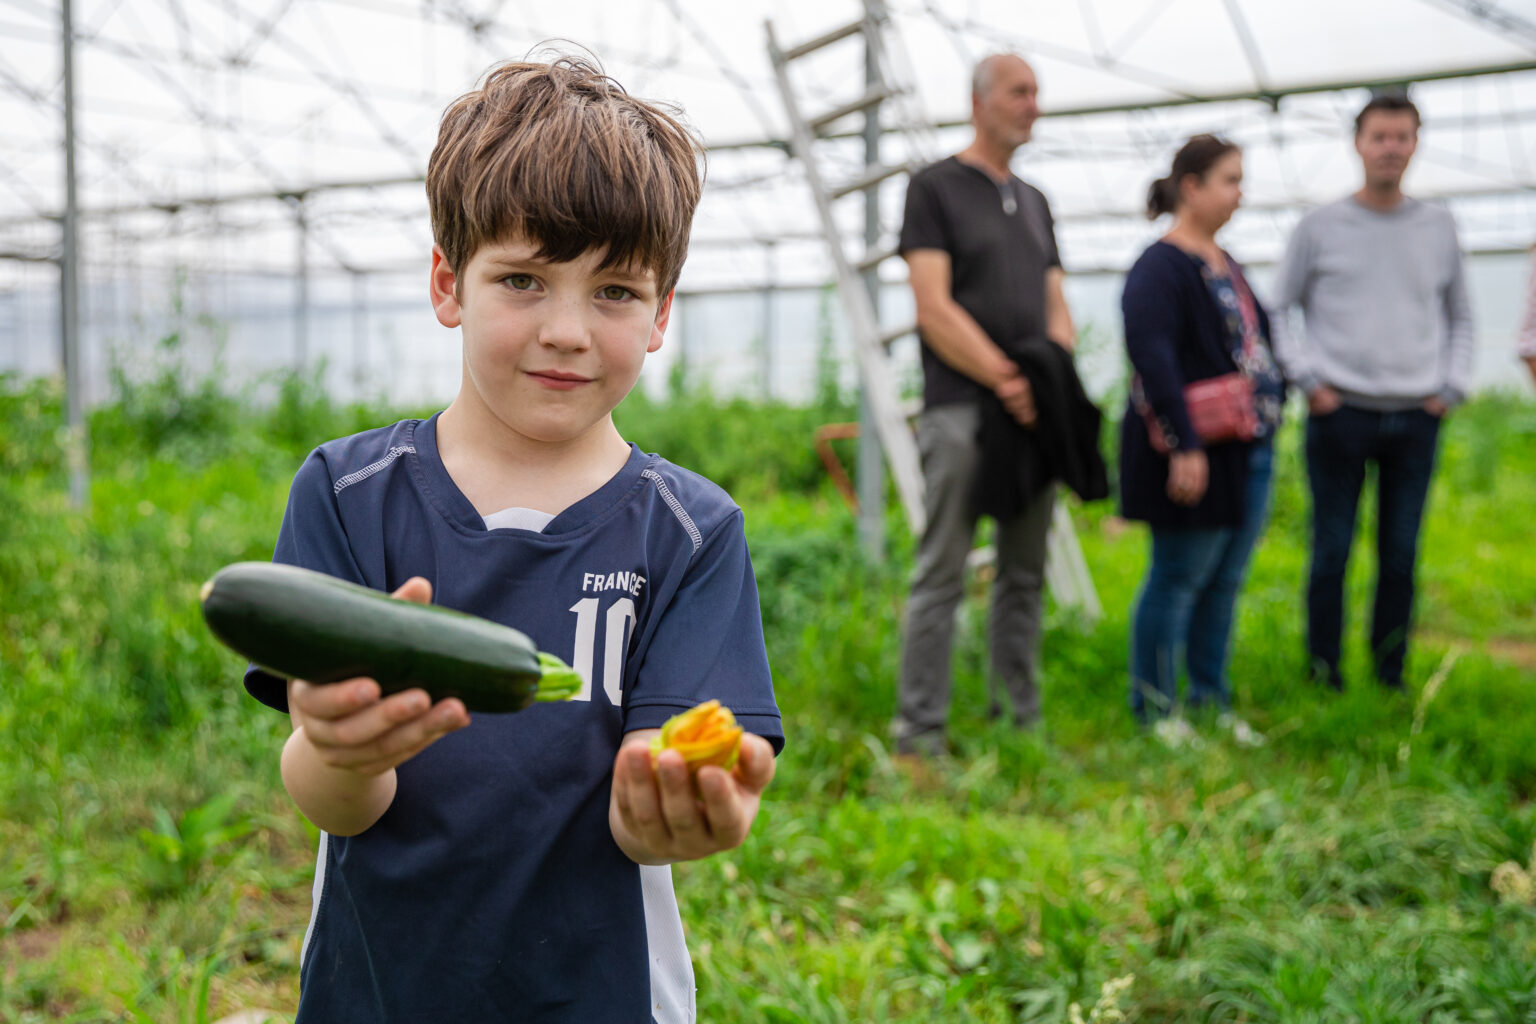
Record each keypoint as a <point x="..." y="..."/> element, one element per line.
<point x="565" y="329"/>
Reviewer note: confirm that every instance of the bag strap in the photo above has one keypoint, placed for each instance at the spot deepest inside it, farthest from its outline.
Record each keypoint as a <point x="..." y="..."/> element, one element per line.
<point x="1248" y="310"/>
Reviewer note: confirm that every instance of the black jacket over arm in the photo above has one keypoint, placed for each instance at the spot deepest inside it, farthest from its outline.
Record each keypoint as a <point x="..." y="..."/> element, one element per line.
<point x="1018" y="464"/>
<point x="1174" y="336"/>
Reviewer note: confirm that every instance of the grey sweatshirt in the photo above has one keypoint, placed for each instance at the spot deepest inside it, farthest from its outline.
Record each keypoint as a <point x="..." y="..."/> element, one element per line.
<point x="1388" y="319"/>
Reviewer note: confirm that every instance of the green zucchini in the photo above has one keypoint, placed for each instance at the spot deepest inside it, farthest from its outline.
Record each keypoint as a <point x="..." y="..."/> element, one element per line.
<point x="300" y="624"/>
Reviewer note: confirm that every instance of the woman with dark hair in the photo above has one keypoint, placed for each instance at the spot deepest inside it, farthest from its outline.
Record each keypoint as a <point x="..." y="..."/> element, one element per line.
<point x="1195" y="462"/>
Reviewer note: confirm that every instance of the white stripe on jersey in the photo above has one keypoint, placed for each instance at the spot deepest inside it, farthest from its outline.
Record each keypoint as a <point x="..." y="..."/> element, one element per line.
<point x="315" y="894"/>
<point x="672" y="991"/>
<point x="372" y="468"/>
<point x="673" y="995"/>
<point x="676" y="507"/>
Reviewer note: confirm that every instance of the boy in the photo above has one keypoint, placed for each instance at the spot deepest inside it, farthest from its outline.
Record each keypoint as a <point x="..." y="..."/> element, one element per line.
<point x="513" y="867"/>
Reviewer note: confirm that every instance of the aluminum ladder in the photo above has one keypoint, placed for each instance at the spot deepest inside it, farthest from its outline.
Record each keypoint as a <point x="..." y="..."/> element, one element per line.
<point x="1066" y="571"/>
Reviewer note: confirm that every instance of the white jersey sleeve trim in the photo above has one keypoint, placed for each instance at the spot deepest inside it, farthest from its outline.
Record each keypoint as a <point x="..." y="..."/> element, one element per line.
<point x="676" y="507"/>
<point x="673" y="996"/>
<point x="367" y="471"/>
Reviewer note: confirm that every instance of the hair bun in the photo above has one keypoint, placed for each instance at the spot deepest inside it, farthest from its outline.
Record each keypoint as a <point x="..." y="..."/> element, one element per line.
<point x="1160" y="198"/>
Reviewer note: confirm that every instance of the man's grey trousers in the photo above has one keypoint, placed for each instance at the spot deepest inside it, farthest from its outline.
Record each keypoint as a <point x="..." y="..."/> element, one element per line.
<point x="947" y="442"/>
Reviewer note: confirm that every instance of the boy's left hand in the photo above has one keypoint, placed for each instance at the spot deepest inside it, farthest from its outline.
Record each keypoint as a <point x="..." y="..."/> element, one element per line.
<point x="662" y="816"/>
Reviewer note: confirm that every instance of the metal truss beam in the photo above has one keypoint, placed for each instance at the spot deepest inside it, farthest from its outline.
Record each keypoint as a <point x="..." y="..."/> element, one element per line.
<point x="1269" y="97"/>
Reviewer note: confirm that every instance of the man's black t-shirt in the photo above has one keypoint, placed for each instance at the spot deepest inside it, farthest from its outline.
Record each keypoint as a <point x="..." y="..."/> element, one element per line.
<point x="1000" y="239"/>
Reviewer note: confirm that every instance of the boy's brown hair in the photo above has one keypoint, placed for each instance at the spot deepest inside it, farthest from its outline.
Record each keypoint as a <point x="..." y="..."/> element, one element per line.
<point x="558" y="154"/>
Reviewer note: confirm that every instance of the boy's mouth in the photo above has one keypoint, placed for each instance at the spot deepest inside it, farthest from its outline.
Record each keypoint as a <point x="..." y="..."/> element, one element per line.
<point x="559" y="380"/>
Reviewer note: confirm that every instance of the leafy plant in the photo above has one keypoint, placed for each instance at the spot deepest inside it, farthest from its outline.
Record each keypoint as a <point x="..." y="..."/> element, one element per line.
<point x="180" y="850"/>
<point x="1323" y="878"/>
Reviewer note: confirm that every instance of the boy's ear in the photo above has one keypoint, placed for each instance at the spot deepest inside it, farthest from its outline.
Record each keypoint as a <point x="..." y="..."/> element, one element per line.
<point x="663" y="314"/>
<point x="443" y="285"/>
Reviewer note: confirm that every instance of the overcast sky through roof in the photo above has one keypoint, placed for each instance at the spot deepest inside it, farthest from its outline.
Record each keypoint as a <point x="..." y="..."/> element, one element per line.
<point x="181" y="100"/>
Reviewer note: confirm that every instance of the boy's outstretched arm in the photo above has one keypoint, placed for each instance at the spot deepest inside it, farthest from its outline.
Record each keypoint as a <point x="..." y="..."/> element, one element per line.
<point x="658" y="817"/>
<point x="339" y="762"/>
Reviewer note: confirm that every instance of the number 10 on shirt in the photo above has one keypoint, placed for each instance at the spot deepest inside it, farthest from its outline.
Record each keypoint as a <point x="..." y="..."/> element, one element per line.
<point x="620" y="618"/>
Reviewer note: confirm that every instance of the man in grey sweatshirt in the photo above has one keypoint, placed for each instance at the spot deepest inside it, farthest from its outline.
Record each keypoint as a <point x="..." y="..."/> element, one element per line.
<point x="1385" y="354"/>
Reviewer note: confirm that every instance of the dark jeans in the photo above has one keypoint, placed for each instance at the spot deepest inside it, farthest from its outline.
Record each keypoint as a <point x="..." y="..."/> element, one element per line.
<point x="1339" y="446"/>
<point x="1184" y="610"/>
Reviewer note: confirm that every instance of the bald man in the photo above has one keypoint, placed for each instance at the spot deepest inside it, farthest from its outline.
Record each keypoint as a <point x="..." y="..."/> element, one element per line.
<point x="980" y="248"/>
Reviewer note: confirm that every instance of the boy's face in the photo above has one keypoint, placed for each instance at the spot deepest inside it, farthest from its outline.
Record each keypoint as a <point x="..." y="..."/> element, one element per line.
<point x="549" y="348"/>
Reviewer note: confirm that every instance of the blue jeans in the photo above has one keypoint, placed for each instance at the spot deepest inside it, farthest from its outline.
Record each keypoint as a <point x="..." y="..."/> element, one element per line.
<point x="1339" y="445"/>
<point x="1184" y="609"/>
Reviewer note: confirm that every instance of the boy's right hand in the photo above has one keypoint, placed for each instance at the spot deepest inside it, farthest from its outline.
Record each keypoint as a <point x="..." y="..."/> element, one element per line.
<point x="352" y="727"/>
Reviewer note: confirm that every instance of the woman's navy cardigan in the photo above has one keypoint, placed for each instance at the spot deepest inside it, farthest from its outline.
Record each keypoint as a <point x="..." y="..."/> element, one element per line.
<point x="1175" y="335"/>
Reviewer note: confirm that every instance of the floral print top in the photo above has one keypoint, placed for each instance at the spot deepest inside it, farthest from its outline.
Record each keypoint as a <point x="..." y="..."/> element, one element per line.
<point x="1250" y="349"/>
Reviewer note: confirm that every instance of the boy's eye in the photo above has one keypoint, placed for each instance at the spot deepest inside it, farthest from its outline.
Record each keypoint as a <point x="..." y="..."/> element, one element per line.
<point x="519" y="282"/>
<point x="615" y="293"/>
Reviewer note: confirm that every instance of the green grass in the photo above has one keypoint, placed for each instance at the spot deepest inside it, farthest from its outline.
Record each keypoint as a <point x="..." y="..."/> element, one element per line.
<point x="151" y="868"/>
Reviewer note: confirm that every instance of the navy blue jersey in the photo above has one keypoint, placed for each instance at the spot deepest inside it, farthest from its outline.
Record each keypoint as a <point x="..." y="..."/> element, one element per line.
<point x="492" y="889"/>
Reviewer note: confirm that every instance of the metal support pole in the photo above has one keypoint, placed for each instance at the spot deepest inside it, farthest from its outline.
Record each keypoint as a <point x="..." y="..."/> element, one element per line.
<point x="359" y="334"/>
<point x="871" y="463"/>
<point x="301" y="288"/>
<point x="770" y="264"/>
<point x="677" y="378"/>
<point x="69" y="288"/>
